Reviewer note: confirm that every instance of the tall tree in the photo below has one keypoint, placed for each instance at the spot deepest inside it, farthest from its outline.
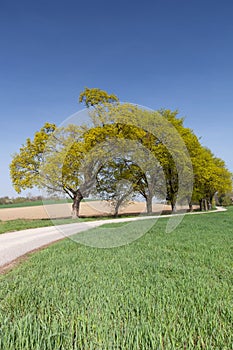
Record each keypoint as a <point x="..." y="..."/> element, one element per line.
<point x="130" y="146"/>
<point x="54" y="160"/>
<point x="25" y="165"/>
<point x="211" y="177"/>
<point x="158" y="136"/>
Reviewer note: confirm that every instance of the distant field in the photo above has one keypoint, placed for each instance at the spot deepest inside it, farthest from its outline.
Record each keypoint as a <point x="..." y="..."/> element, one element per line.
<point x="60" y="210"/>
<point x="20" y="218"/>
<point x="163" y="291"/>
<point x="32" y="203"/>
<point x="38" y="203"/>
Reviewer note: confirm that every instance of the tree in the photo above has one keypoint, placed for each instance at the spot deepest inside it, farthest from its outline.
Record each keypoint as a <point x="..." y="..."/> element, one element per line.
<point x="160" y="139"/>
<point x="147" y="178"/>
<point x="127" y="151"/>
<point x="126" y="176"/>
<point x="113" y="184"/>
<point x="54" y="160"/>
<point x="25" y="165"/>
<point x="211" y="177"/>
<point x="63" y="170"/>
<point x="225" y="199"/>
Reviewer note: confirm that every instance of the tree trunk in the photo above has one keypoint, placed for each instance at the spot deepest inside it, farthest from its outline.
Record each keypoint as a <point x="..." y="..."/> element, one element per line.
<point x="205" y="204"/>
<point x="201" y="206"/>
<point x="211" y="202"/>
<point x="116" y="210"/>
<point x="119" y="202"/>
<point x="77" y="198"/>
<point x="173" y="204"/>
<point x="190" y="207"/>
<point x="172" y="190"/>
<point x="149" y="207"/>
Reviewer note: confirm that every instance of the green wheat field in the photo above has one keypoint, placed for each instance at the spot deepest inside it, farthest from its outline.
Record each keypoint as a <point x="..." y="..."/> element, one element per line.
<point x="163" y="291"/>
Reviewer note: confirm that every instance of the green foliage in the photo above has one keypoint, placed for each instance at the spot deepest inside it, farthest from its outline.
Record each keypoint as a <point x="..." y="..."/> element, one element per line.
<point x="164" y="291"/>
<point x="225" y="199"/>
<point x="25" y="165"/>
<point x="68" y="159"/>
<point x="210" y="173"/>
<point x="211" y="176"/>
<point x="154" y="134"/>
<point x="52" y="161"/>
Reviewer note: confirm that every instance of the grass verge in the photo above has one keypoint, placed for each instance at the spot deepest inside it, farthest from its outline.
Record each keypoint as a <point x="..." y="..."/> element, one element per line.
<point x="23" y="224"/>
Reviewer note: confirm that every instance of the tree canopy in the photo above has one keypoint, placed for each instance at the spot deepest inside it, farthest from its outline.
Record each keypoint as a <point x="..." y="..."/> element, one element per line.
<point x="127" y="151"/>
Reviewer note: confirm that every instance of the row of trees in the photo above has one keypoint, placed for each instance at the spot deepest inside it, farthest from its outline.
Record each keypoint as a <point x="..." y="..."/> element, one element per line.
<point x="126" y="152"/>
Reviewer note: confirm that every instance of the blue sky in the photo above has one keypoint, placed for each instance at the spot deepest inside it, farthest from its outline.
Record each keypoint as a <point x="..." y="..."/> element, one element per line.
<point x="175" y="54"/>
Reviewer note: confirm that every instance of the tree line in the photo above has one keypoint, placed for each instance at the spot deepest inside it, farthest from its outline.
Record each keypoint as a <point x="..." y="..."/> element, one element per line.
<point x="126" y="153"/>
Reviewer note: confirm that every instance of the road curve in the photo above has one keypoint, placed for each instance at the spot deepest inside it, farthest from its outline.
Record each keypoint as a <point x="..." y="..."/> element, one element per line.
<point x="18" y="243"/>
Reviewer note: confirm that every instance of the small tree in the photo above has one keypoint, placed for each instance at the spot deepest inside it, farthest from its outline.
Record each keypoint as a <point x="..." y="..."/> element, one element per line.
<point x="113" y="184"/>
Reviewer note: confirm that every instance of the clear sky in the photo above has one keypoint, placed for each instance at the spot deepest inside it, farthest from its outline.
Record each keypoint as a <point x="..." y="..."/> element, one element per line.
<point x="174" y="54"/>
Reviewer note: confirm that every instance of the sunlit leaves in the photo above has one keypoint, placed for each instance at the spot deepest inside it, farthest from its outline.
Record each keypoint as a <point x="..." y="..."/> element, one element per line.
<point x="93" y="97"/>
<point x="140" y="149"/>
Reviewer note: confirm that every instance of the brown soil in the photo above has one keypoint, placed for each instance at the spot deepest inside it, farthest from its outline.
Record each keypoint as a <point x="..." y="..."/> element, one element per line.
<point x="95" y="208"/>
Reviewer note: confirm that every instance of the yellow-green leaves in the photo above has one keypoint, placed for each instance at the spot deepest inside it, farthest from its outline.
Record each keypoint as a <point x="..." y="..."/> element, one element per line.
<point x="143" y="150"/>
<point x="95" y="96"/>
<point x="24" y="168"/>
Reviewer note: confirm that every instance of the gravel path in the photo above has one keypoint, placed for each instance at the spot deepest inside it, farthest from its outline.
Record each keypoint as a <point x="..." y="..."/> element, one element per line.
<point x="18" y="243"/>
